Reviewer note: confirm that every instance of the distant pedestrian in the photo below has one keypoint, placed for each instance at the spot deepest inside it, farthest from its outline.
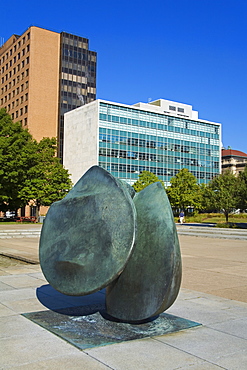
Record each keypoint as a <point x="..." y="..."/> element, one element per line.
<point x="181" y="217"/>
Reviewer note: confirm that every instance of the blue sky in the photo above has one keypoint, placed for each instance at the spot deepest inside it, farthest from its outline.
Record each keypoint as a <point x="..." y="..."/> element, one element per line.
<point x="189" y="51"/>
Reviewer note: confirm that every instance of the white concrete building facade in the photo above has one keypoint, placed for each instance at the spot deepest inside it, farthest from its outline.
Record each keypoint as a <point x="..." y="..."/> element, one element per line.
<point x="160" y="136"/>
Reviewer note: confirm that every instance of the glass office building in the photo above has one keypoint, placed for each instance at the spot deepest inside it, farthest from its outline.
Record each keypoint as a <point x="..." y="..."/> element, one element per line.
<point x="77" y="77"/>
<point x="161" y="137"/>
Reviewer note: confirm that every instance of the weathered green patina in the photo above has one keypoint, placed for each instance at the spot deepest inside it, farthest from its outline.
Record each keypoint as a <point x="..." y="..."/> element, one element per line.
<point x="88" y="237"/>
<point x="98" y="236"/>
<point x="151" y="280"/>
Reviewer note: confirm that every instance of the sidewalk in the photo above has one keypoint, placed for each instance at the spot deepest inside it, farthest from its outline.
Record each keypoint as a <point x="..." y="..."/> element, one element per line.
<point x="214" y="270"/>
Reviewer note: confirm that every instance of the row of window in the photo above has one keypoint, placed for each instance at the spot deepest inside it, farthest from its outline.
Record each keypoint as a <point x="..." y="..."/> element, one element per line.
<point x="14" y="70"/>
<point x="152" y="117"/>
<point x="15" y="58"/>
<point x="15" y="47"/>
<point x="171" y="107"/>
<point x="142" y="156"/>
<point x="159" y="143"/>
<point x="17" y="102"/>
<point x="75" y="85"/>
<point x="73" y="40"/>
<point x="19" y="112"/>
<point x="75" y="72"/>
<point x="125" y="168"/>
<point x="70" y="104"/>
<point x="78" y="55"/>
<point x="167" y="126"/>
<point x="15" y="81"/>
<point x="16" y="92"/>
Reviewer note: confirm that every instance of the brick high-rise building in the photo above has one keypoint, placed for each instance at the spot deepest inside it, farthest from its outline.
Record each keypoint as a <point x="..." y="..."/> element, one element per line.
<point x="44" y="74"/>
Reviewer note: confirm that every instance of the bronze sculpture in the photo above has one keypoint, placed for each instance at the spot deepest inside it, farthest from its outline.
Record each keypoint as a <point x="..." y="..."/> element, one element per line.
<point x="102" y="234"/>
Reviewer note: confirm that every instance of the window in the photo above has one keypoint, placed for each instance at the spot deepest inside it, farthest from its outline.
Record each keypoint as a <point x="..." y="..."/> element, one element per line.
<point x="24" y="40"/>
<point x="14" y="59"/>
<point x="26" y="108"/>
<point x="25" y="121"/>
<point x="26" y="96"/>
<point x="181" y="110"/>
<point x="18" y="56"/>
<point x="21" y="111"/>
<point x="28" y="48"/>
<point x="28" y="36"/>
<point x="22" y="98"/>
<point x="27" y="60"/>
<point x="22" y="75"/>
<point x="17" y="102"/>
<point x="19" y="44"/>
<point x="171" y="107"/>
<point x="22" y="64"/>
<point x="27" y="72"/>
<point x="17" y="90"/>
<point x="22" y="87"/>
<point x="16" y="114"/>
<point x="23" y="52"/>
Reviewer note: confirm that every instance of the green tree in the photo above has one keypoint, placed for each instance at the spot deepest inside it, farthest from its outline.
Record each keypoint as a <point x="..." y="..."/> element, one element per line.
<point x="184" y="191"/>
<point x="222" y="193"/>
<point x="47" y="180"/>
<point x="242" y="190"/>
<point x="145" y="178"/>
<point x="16" y="148"/>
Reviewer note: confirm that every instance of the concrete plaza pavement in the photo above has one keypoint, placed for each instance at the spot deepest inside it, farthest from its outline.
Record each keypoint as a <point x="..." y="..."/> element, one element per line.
<point x="213" y="293"/>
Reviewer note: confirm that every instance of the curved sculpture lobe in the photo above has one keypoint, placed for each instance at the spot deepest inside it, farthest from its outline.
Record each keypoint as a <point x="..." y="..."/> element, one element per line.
<point x="87" y="237"/>
<point x="151" y="279"/>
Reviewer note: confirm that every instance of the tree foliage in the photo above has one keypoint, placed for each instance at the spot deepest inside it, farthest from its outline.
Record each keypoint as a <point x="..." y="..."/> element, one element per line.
<point x="28" y="170"/>
<point x="242" y="190"/>
<point x="222" y="193"/>
<point x="47" y="180"/>
<point x="145" y="178"/>
<point x="184" y="191"/>
<point x="16" y="148"/>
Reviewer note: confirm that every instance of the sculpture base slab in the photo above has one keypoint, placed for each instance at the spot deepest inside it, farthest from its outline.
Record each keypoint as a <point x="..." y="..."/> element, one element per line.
<point x="79" y="327"/>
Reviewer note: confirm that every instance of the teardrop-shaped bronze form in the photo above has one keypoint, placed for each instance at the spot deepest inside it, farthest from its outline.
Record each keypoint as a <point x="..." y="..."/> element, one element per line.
<point x="88" y="237"/>
<point x="151" y="279"/>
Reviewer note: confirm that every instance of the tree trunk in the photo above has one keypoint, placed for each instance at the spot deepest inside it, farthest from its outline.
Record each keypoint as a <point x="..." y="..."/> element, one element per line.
<point x="226" y="215"/>
<point x="38" y="210"/>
